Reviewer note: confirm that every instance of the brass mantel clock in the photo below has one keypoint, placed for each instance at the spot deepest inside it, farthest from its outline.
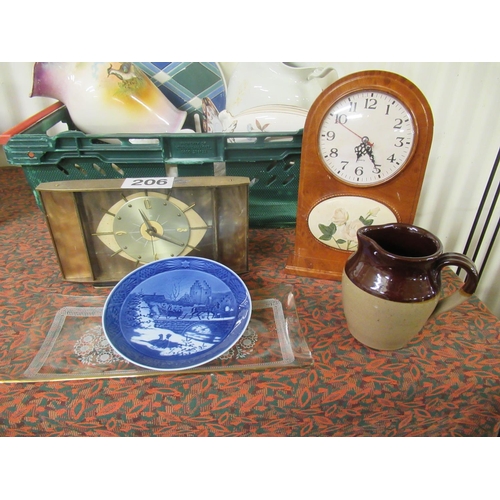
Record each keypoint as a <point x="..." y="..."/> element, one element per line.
<point x="102" y="230"/>
<point x="365" y="148"/>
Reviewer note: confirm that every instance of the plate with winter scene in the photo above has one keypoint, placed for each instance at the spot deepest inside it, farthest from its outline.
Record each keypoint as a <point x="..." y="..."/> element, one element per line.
<point x="176" y="313"/>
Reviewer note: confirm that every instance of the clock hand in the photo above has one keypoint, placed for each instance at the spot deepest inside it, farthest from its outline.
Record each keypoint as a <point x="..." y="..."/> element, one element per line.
<point x="364" y="139"/>
<point x="364" y="148"/>
<point x="146" y="221"/>
<point x="163" y="237"/>
<point x="153" y="232"/>
<point x="155" y="257"/>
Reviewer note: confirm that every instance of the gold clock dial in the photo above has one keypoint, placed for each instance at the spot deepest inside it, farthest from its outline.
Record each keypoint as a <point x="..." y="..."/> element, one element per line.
<point x="144" y="227"/>
<point x="366" y="138"/>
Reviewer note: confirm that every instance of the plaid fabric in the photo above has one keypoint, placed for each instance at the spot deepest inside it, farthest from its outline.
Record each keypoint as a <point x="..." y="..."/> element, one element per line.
<point x="185" y="84"/>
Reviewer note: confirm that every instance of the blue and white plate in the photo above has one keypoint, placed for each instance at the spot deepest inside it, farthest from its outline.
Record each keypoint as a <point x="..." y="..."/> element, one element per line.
<point x="176" y="313"/>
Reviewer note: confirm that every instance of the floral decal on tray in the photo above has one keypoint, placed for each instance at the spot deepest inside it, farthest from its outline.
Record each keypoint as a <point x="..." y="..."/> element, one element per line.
<point x="93" y="349"/>
<point x="244" y="347"/>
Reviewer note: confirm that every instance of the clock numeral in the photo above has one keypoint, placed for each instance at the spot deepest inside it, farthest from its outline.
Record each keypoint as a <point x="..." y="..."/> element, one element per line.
<point x="334" y="152"/>
<point x="344" y="164"/>
<point x="352" y="106"/>
<point x="376" y="169"/>
<point x="359" y="171"/>
<point x="391" y="158"/>
<point x="399" y="122"/>
<point x="371" y="103"/>
<point x="342" y="119"/>
<point x="399" y="142"/>
<point x="330" y="135"/>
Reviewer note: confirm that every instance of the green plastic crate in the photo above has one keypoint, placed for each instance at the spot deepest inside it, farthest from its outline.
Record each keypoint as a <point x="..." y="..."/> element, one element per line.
<point x="270" y="160"/>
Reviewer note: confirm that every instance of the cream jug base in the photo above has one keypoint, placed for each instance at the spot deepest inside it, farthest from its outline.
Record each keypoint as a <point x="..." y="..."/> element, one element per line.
<point x="379" y="323"/>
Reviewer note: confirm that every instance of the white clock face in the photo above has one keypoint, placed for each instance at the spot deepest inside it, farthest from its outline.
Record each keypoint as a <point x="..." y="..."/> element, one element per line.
<point x="366" y="138"/>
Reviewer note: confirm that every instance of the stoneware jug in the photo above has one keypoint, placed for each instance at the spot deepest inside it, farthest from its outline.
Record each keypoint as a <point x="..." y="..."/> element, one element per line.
<point x="107" y="98"/>
<point x="391" y="286"/>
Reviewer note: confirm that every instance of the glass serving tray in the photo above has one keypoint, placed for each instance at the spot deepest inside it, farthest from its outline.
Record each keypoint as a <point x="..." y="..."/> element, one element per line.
<point x="74" y="346"/>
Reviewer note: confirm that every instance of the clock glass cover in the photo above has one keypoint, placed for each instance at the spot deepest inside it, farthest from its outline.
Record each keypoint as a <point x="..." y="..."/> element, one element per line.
<point x="148" y="226"/>
<point x="366" y="138"/>
<point x="127" y="228"/>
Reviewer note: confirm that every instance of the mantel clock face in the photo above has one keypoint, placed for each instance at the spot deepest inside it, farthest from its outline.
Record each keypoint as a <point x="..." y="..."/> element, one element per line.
<point x="102" y="231"/>
<point x="147" y="226"/>
<point x="365" y="148"/>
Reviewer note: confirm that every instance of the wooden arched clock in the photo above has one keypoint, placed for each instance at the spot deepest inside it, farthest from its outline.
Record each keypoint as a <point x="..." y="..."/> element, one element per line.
<point x="365" y="148"/>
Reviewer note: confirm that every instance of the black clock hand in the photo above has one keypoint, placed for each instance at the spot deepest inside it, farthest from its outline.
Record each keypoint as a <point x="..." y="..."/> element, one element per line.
<point x="153" y="232"/>
<point x="365" y="148"/>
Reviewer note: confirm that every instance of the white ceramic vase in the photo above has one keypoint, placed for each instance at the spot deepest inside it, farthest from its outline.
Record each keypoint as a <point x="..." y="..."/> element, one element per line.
<point x="107" y="98"/>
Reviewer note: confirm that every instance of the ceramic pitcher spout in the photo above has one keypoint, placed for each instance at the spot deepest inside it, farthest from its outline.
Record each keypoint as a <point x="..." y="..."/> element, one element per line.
<point x="321" y="76"/>
<point x="320" y="73"/>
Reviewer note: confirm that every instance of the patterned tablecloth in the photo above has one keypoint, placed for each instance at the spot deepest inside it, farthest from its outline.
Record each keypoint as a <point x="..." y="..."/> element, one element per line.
<point x="444" y="383"/>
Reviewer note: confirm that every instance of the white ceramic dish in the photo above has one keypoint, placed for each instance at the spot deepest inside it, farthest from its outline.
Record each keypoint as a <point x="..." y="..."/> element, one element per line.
<point x="277" y="118"/>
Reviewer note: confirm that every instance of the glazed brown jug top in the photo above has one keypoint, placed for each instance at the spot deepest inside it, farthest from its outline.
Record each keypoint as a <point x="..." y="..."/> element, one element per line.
<point x="397" y="266"/>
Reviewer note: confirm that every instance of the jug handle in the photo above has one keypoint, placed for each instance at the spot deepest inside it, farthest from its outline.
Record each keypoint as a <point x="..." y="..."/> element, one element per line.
<point x="469" y="286"/>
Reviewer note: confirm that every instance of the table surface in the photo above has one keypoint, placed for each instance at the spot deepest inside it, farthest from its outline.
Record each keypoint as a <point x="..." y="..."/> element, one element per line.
<point x="446" y="382"/>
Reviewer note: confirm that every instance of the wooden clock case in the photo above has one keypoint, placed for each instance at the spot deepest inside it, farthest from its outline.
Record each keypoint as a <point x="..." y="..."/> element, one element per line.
<point x="401" y="193"/>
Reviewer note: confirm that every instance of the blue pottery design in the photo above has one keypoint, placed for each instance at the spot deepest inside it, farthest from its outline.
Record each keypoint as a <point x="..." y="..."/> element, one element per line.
<point x="176" y="313"/>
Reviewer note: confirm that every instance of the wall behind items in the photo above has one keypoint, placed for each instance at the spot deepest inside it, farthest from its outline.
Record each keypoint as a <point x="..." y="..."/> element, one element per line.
<point x="464" y="101"/>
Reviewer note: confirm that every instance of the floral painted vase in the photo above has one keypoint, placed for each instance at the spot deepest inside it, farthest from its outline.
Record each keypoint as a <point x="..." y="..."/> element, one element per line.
<point x="107" y="98"/>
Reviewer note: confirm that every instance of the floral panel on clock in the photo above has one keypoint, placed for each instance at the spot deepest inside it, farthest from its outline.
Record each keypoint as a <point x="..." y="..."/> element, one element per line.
<point x="335" y="221"/>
